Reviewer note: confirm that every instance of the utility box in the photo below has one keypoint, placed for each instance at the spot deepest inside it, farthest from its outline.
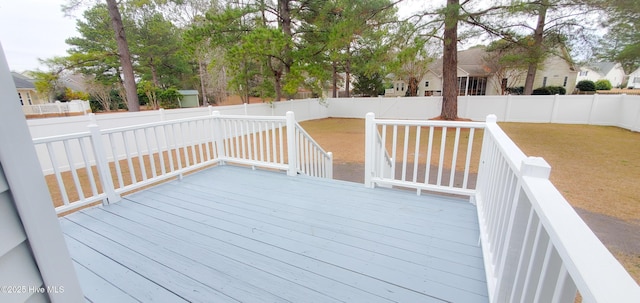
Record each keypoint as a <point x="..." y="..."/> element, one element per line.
<point x="189" y="98"/>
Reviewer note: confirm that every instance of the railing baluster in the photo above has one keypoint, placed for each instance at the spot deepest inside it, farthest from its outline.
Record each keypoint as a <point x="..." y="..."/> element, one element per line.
<point x="170" y="148"/>
<point x="129" y="157"/>
<point x="454" y="158"/>
<point x="467" y="161"/>
<point x="427" y="170"/>
<point x="152" y="161"/>
<point x="143" y="168"/>
<point x="56" y="171"/>
<point x="405" y="151"/>
<point x="116" y="160"/>
<point x="443" y="143"/>
<point x="87" y="166"/>
<point x="416" y="154"/>
<point x="72" y="169"/>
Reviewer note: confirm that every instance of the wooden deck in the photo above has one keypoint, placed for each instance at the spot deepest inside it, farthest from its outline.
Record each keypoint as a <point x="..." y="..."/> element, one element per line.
<point x="232" y="234"/>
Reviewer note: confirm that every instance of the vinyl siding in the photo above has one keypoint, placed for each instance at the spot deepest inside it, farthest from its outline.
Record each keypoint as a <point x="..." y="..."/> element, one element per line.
<point x="17" y="265"/>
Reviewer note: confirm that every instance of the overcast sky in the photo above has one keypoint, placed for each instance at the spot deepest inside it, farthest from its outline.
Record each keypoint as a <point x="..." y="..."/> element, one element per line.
<point x="32" y="29"/>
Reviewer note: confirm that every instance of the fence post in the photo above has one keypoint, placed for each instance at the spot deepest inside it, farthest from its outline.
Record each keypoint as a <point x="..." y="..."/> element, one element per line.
<point x="218" y="136"/>
<point x="102" y="165"/>
<point x="162" y="114"/>
<point x="369" y="141"/>
<point x="292" y="156"/>
<point x="329" y="167"/>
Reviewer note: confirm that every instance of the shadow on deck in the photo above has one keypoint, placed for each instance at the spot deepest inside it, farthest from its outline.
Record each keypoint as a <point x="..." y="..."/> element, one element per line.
<point x="230" y="234"/>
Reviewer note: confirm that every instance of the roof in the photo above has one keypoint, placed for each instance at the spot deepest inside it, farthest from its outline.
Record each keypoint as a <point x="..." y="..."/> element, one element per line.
<point x="188" y="92"/>
<point x="470" y="61"/>
<point x="602" y="67"/>
<point x="22" y="81"/>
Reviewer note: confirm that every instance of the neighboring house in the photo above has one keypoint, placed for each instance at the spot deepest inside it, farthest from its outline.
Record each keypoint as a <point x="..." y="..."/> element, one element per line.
<point x="476" y="77"/>
<point x="26" y="90"/>
<point x="634" y="79"/>
<point x="611" y="71"/>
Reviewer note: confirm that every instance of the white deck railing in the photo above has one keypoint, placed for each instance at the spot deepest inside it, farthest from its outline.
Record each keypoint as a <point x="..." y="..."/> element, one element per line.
<point x="432" y="155"/>
<point x="103" y="164"/>
<point x="536" y="248"/>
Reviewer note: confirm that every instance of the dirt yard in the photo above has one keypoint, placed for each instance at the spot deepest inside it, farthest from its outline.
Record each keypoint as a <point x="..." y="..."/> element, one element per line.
<point x="596" y="168"/>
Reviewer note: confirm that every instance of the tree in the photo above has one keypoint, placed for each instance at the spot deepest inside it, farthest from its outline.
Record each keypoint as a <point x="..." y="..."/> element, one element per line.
<point x="450" y="61"/>
<point x="370" y="86"/>
<point x="621" y="43"/>
<point x="125" y="56"/>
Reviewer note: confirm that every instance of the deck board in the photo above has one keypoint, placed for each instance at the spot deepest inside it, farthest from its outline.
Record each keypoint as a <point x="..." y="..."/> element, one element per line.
<point x="231" y="234"/>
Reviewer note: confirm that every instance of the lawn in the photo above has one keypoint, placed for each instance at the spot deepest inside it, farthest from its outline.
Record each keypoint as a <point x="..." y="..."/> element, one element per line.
<point x="596" y="168"/>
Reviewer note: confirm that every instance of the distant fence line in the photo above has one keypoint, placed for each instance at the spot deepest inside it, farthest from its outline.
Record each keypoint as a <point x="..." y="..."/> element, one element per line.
<point x="57" y="109"/>
<point x="611" y="110"/>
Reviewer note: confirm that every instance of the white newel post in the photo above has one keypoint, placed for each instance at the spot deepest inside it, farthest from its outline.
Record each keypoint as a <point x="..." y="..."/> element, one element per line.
<point x="218" y="135"/>
<point x="369" y="141"/>
<point x="292" y="157"/>
<point x="329" y="166"/>
<point x="102" y="164"/>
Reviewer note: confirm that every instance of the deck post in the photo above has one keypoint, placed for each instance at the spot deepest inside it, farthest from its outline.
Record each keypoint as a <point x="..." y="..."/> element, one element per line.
<point x="218" y="136"/>
<point x="292" y="157"/>
<point x="103" y="166"/>
<point x="369" y="141"/>
<point x="329" y="166"/>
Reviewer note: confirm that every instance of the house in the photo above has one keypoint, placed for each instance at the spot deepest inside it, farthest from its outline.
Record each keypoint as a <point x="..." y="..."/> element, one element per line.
<point x="595" y="71"/>
<point x="476" y="76"/>
<point x="26" y="90"/>
<point x="634" y="79"/>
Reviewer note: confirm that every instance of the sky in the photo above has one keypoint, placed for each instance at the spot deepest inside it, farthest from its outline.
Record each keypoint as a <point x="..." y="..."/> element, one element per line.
<point x="32" y="29"/>
<point x="36" y="29"/>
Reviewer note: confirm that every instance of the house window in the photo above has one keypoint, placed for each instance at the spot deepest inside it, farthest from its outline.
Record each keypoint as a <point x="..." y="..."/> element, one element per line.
<point x="477" y="86"/>
<point x="636" y="79"/>
<point x="20" y="96"/>
<point x="29" y="98"/>
<point x="564" y="83"/>
<point x="426" y="83"/>
<point x="544" y="81"/>
<point x="402" y="86"/>
<point x="584" y="73"/>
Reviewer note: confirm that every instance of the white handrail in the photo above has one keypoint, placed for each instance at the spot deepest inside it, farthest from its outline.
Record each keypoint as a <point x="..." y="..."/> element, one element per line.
<point x="103" y="164"/>
<point x="535" y="246"/>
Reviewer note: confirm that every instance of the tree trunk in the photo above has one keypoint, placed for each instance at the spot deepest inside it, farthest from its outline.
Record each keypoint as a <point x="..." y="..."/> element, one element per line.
<point x="450" y="61"/>
<point x="278" y="79"/>
<point x="125" y="57"/>
<point x="201" y="71"/>
<point x="347" y="78"/>
<point x="538" y="38"/>
<point x="335" y="79"/>
<point x="284" y="9"/>
<point x="154" y="73"/>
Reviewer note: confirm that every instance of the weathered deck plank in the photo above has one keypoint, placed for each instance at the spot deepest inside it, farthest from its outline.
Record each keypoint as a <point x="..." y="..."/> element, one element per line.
<point x="232" y="234"/>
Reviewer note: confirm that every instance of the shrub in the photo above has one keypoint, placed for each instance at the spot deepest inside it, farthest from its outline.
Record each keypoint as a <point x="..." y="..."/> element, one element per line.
<point x="518" y="90"/>
<point x="542" y="91"/>
<point x="586" y="86"/>
<point x="549" y="90"/>
<point x="603" y="84"/>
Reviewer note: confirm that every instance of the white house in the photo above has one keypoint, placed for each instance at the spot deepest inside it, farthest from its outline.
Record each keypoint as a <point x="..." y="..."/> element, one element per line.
<point x="634" y="79"/>
<point x="477" y="77"/>
<point x="595" y="71"/>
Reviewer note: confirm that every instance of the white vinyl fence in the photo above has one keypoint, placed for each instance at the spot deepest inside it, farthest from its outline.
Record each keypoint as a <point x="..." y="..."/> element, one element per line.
<point x="59" y="108"/>
<point x="612" y="110"/>
<point x="535" y="246"/>
<point x="101" y="164"/>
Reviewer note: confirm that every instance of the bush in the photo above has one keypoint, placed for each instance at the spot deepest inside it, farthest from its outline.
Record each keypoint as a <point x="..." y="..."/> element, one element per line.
<point x="586" y="86"/>
<point x="518" y="90"/>
<point x="603" y="84"/>
<point x="549" y="90"/>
